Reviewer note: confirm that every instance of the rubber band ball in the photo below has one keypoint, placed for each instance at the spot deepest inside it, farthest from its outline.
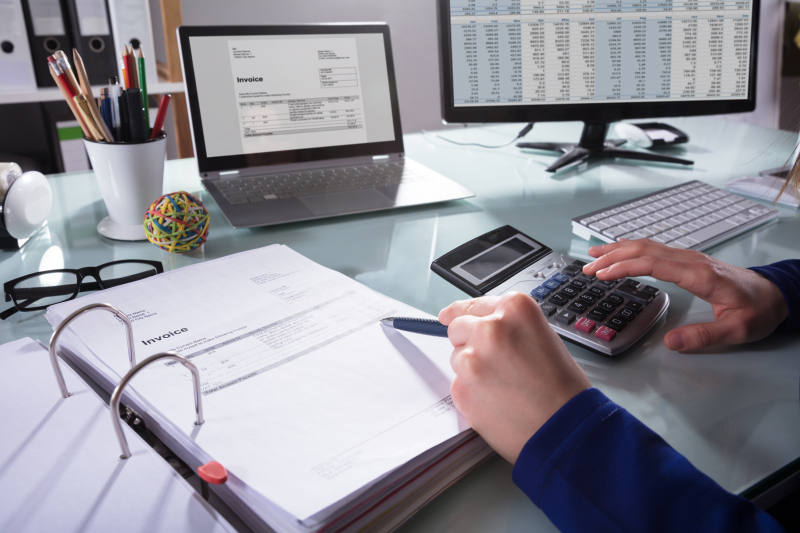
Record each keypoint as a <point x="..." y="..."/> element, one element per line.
<point x="177" y="222"/>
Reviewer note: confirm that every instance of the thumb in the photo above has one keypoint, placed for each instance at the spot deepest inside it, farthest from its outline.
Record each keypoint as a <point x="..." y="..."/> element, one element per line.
<point x="696" y="336"/>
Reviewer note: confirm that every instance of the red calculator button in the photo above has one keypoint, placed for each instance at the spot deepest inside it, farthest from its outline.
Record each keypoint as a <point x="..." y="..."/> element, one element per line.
<point x="584" y="324"/>
<point x="605" y="333"/>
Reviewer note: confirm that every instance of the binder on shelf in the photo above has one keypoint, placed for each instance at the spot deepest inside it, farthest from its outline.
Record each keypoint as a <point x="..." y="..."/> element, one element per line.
<point x="16" y="65"/>
<point x="61" y="469"/>
<point x="90" y="28"/>
<point x="131" y="24"/>
<point x="47" y="32"/>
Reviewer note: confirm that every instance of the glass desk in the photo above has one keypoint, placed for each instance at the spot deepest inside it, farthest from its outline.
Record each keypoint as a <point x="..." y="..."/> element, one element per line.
<point x="734" y="413"/>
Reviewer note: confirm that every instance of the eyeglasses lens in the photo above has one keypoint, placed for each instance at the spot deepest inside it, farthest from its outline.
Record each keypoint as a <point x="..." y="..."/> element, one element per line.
<point x="122" y="273"/>
<point x="45" y="289"/>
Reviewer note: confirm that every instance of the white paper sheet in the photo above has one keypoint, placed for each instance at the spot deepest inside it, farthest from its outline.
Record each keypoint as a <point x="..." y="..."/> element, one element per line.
<point x="307" y="397"/>
<point x="59" y="461"/>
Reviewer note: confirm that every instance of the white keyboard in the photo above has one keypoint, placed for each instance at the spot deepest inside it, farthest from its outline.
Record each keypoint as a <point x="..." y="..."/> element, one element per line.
<point x="695" y="216"/>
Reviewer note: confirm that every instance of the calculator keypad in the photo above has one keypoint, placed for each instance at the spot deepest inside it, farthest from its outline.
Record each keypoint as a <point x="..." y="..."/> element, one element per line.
<point x="595" y="307"/>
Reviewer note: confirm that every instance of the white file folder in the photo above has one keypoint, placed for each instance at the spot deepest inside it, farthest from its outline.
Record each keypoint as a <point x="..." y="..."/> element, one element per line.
<point x="59" y="461"/>
<point x="16" y="65"/>
<point x="131" y="24"/>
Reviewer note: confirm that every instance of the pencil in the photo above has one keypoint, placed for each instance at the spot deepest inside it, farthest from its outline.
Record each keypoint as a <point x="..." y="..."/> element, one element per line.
<point x="86" y="87"/>
<point x="143" y="87"/>
<point x="162" y="113"/>
<point x="134" y="69"/>
<point x="72" y="106"/>
<point x="84" y="105"/>
<point x="124" y="66"/>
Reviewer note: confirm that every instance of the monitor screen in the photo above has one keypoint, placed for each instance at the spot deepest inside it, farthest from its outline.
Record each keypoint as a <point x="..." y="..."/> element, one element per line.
<point x="271" y="95"/>
<point x="640" y="56"/>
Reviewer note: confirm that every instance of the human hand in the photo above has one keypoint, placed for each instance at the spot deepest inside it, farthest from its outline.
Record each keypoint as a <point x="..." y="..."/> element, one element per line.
<point x="747" y="307"/>
<point x="512" y="371"/>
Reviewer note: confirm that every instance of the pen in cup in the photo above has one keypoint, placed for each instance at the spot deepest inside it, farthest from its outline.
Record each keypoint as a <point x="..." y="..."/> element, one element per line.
<point x="113" y="94"/>
<point x="136" y="117"/>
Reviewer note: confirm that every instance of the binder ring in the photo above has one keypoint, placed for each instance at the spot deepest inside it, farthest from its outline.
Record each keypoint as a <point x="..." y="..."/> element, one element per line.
<point x="82" y="311"/>
<point x="116" y="396"/>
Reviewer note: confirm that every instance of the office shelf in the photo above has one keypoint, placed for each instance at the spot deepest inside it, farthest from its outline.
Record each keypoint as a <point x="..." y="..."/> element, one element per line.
<point x="51" y="94"/>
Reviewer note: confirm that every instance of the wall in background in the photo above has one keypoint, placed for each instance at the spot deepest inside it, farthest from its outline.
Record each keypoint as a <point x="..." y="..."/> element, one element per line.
<point x="415" y="44"/>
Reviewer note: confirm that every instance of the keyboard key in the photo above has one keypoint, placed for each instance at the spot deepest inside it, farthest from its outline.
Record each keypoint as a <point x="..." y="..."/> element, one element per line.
<point x="568" y="292"/>
<point x="587" y="279"/>
<point x="540" y="292"/>
<point x="647" y="289"/>
<point x="632" y="283"/>
<point x="615" y="299"/>
<point x="578" y="284"/>
<point x="627" y="313"/>
<point x="571" y="270"/>
<point x="606" y="306"/>
<point x="635" y="306"/>
<point x="559" y="277"/>
<point x="588" y="299"/>
<point x="548" y="309"/>
<point x="615" y="232"/>
<point x="607" y="285"/>
<point x="584" y="324"/>
<point x="558" y="300"/>
<point x="551" y="284"/>
<point x="578" y="307"/>
<point x="617" y="323"/>
<point x="605" y="333"/>
<point x="578" y="263"/>
<point x="596" y="291"/>
<point x="597" y="314"/>
<point x="635" y="295"/>
<point x="565" y="317"/>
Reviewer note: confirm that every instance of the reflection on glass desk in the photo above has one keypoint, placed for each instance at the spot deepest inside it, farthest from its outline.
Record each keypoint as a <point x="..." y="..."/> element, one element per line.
<point x="734" y="413"/>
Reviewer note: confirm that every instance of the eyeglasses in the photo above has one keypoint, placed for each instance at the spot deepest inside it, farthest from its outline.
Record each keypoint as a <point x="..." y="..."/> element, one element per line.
<point x="43" y="289"/>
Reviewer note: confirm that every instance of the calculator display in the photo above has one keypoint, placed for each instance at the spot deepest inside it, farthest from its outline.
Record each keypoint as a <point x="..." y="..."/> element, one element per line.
<point x="490" y="262"/>
<point x="498" y="258"/>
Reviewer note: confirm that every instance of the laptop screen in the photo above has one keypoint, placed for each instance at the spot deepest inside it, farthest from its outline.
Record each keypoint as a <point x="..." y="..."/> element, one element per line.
<point x="291" y="94"/>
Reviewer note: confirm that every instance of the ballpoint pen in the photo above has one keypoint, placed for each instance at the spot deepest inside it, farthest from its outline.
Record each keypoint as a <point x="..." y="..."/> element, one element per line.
<point x="143" y="87"/>
<point x="113" y="93"/>
<point x="423" y="326"/>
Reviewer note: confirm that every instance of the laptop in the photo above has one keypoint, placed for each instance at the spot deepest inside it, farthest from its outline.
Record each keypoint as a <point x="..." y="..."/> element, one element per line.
<point x="300" y="122"/>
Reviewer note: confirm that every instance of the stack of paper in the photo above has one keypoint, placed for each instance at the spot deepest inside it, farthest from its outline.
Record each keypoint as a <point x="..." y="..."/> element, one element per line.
<point x="325" y="420"/>
<point x="59" y="461"/>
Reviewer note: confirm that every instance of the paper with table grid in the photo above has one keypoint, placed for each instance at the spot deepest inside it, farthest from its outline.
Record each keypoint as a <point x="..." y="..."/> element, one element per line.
<point x="307" y="397"/>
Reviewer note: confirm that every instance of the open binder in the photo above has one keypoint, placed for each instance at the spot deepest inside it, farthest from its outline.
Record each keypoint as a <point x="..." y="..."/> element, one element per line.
<point x="59" y="460"/>
<point x="402" y="461"/>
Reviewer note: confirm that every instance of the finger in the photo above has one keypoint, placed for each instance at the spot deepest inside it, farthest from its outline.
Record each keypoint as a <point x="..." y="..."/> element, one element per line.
<point x="482" y="306"/>
<point x="597" y="251"/>
<point x="695" y="277"/>
<point x="696" y="336"/>
<point x="632" y="249"/>
<point x="460" y="329"/>
<point x="456" y="357"/>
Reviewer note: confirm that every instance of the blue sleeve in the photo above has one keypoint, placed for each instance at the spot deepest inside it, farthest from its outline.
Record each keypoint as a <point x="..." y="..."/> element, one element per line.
<point x="594" y="467"/>
<point x="786" y="275"/>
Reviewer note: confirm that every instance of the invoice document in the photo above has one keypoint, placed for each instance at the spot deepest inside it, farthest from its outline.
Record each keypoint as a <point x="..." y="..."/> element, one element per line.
<point x="295" y="93"/>
<point x="307" y="398"/>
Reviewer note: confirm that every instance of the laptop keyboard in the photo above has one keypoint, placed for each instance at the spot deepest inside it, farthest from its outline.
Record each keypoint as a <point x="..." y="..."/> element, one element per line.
<point x="292" y="184"/>
<point x="693" y="216"/>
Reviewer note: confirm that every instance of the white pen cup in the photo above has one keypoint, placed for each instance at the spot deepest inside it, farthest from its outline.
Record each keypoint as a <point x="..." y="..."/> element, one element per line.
<point x="131" y="177"/>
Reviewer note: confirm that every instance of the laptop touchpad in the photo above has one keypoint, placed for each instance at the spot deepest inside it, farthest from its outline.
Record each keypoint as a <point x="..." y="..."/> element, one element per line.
<point x="346" y="202"/>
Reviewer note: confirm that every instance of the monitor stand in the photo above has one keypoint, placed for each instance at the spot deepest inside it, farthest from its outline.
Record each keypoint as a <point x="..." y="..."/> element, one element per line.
<point x="593" y="145"/>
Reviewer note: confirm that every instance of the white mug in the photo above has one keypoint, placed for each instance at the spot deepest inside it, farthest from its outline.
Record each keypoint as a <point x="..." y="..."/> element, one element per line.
<point x="131" y="177"/>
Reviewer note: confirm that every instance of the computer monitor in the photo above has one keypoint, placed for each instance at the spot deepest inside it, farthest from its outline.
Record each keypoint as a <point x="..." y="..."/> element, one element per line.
<point x="597" y="61"/>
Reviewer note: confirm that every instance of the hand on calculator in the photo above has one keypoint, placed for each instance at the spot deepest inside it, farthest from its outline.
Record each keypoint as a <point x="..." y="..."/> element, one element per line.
<point x="747" y="306"/>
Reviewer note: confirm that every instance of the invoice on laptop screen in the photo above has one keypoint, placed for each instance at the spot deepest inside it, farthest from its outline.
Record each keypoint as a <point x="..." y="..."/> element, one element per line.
<point x="261" y="94"/>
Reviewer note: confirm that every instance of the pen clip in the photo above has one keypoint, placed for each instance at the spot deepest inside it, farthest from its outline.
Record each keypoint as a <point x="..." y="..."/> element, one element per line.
<point x="116" y="396"/>
<point x="82" y="311"/>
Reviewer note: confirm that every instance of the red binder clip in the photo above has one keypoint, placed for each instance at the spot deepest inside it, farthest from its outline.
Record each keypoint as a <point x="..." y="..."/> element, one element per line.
<point x="211" y="472"/>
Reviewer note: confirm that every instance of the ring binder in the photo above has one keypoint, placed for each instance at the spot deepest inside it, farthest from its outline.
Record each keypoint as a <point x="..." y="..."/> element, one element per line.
<point x="83" y="310"/>
<point x="117" y="394"/>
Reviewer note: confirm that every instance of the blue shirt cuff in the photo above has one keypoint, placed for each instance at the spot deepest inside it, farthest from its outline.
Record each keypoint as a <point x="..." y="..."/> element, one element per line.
<point x="786" y="276"/>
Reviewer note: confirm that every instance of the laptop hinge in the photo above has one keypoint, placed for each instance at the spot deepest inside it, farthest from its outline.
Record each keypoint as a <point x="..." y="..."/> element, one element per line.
<point x="300" y="167"/>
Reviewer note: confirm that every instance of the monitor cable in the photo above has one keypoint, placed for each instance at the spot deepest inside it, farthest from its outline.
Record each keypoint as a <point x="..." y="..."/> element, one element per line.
<point x="522" y="133"/>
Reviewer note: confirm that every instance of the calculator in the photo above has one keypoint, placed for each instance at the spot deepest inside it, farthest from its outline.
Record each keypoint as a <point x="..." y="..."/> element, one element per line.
<point x="606" y="317"/>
